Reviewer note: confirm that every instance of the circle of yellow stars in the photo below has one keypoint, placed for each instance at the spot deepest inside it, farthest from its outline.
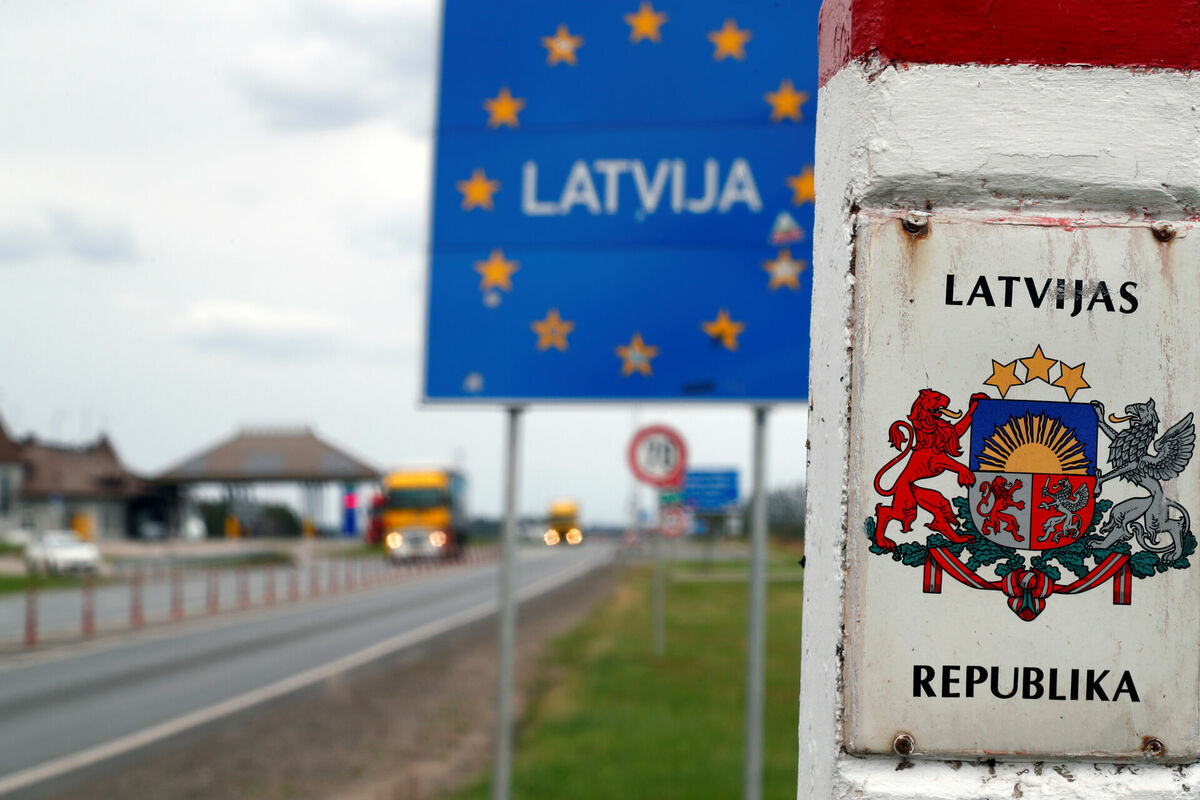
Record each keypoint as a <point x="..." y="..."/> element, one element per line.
<point x="645" y="25"/>
<point x="1037" y="368"/>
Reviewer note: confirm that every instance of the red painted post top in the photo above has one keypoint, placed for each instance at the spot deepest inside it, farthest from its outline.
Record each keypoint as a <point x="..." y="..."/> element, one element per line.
<point x="1155" y="34"/>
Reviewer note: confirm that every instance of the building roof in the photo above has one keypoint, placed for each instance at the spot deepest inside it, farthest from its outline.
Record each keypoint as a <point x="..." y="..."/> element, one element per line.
<point x="10" y="451"/>
<point x="89" y="472"/>
<point x="263" y="455"/>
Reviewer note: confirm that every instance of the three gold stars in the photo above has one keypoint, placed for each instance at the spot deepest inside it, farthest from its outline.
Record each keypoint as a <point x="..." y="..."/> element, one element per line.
<point x="724" y="329"/>
<point x="803" y="187"/>
<point x="552" y="331"/>
<point x="1037" y="368"/>
<point x="637" y="355"/>
<point x="786" y="103"/>
<point x="477" y="191"/>
<point x="561" y="46"/>
<point x="1071" y="379"/>
<point x="1004" y="377"/>
<point x="645" y="24"/>
<point x="784" y="271"/>
<point x="729" y="41"/>
<point x="496" y="272"/>
<point x="503" y="109"/>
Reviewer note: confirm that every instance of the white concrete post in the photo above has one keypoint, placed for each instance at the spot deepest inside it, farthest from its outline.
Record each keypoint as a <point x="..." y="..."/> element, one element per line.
<point x="1025" y="138"/>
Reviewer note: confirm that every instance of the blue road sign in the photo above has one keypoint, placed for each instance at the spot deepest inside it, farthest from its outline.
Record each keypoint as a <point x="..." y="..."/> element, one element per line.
<point x="710" y="490"/>
<point x="623" y="201"/>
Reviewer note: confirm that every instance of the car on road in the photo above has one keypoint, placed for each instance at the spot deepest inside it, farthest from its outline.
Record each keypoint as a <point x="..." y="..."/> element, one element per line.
<point x="60" y="553"/>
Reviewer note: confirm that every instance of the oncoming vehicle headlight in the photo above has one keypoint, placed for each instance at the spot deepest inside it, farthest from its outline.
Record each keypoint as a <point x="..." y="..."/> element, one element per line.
<point x="438" y="538"/>
<point x="551" y="537"/>
<point x="574" y="536"/>
<point x="394" y="540"/>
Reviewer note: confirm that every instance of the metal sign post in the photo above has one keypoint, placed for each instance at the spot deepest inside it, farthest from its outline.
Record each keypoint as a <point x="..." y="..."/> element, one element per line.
<point x="502" y="766"/>
<point x="658" y="457"/>
<point x="756" y="633"/>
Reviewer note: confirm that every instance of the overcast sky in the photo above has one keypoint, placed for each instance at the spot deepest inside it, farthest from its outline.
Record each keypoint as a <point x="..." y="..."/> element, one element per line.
<point x="214" y="214"/>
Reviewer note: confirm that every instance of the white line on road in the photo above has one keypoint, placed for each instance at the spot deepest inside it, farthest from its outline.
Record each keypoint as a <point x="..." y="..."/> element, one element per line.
<point x="94" y="755"/>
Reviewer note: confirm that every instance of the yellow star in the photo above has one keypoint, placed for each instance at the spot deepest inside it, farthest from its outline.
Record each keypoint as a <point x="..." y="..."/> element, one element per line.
<point x="645" y="24"/>
<point x="803" y="189"/>
<point x="561" y="46"/>
<point x="784" y="270"/>
<point x="729" y="41"/>
<point x="552" y="331"/>
<point x="637" y="355"/>
<point x="477" y="191"/>
<point x="1004" y="377"/>
<point x="1071" y="380"/>
<point x="496" y="271"/>
<point x="785" y="103"/>
<point x="725" y="329"/>
<point x="1037" y="366"/>
<point x="503" y="109"/>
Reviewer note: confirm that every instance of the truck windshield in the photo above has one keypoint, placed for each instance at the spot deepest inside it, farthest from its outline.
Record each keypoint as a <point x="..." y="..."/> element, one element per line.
<point x="418" y="498"/>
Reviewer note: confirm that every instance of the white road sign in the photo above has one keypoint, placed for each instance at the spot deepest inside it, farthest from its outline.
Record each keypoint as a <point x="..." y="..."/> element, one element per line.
<point x="1022" y="575"/>
<point x="658" y="456"/>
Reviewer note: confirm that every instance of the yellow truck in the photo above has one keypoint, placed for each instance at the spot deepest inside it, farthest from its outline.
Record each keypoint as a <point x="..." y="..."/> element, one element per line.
<point x="423" y="515"/>
<point x="563" y="523"/>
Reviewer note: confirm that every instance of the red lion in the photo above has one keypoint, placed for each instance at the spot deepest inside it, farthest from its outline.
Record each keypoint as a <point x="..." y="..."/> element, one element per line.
<point x="931" y="441"/>
<point x="1001" y="492"/>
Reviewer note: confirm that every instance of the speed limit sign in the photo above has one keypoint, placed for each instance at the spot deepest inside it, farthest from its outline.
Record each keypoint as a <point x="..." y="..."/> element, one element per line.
<point x="675" y="521"/>
<point x="658" y="456"/>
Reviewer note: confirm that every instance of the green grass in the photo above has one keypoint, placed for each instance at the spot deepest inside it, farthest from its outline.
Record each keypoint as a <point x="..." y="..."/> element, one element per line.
<point x="612" y="721"/>
<point x="10" y="584"/>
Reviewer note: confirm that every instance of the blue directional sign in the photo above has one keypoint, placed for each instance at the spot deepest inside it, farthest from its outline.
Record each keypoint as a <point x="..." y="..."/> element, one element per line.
<point x="623" y="201"/>
<point x="710" y="490"/>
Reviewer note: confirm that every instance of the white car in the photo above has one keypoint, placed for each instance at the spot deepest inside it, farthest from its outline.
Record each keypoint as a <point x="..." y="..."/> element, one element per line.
<point x="59" y="552"/>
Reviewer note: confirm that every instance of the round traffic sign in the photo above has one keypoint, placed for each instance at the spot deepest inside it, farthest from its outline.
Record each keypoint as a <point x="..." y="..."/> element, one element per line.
<point x="658" y="456"/>
<point x="674" y="521"/>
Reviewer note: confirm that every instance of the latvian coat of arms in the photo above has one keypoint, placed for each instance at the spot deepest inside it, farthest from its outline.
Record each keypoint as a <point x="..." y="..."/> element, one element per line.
<point x="1057" y="498"/>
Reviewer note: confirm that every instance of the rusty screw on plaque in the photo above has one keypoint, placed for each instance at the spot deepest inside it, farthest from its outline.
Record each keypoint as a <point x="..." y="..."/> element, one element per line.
<point x="1163" y="231"/>
<point x="1153" y="747"/>
<point x="904" y="744"/>
<point x="915" y="223"/>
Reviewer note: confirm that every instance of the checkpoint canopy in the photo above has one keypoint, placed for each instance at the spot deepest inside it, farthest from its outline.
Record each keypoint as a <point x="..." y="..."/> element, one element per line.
<point x="622" y="201"/>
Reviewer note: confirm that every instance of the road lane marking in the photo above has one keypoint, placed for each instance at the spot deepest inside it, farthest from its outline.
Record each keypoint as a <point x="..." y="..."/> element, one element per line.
<point x="93" y="755"/>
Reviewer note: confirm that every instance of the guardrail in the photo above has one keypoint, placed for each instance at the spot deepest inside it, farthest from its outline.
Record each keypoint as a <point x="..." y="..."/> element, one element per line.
<point x="159" y="596"/>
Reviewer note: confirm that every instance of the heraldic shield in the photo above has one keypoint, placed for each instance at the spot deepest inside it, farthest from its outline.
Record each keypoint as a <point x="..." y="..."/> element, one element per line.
<point x="1035" y="472"/>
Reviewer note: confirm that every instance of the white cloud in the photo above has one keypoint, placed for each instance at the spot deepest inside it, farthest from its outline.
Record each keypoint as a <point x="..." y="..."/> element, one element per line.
<point x="255" y="331"/>
<point x="334" y="64"/>
<point x="64" y="233"/>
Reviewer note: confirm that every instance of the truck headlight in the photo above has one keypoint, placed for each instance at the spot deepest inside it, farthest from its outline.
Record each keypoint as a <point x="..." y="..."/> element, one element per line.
<point x="551" y="538"/>
<point x="438" y="538"/>
<point x="394" y="540"/>
<point x="574" y="536"/>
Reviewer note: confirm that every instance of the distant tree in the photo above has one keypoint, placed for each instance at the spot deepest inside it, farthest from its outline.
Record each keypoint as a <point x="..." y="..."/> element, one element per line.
<point x="785" y="511"/>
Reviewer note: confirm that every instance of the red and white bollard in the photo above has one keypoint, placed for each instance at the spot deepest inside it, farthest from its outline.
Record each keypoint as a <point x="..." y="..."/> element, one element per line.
<point x="212" y="592"/>
<point x="136" y="617"/>
<point x="31" y="615"/>
<point x="176" y="594"/>
<point x="88" y="609"/>
<point x="243" y="579"/>
<point x="293" y="584"/>
<point x="269" y="598"/>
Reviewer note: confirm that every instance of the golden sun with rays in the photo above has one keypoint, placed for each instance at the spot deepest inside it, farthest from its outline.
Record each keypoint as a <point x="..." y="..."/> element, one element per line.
<point x="1034" y="444"/>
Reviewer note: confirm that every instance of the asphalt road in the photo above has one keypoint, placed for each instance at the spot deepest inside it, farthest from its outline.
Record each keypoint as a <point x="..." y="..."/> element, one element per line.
<point x="72" y="708"/>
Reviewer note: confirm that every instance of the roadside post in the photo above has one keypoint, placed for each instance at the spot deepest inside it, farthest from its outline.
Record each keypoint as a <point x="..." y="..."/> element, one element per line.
<point x="594" y="244"/>
<point x="658" y="457"/>
<point x="1001" y="595"/>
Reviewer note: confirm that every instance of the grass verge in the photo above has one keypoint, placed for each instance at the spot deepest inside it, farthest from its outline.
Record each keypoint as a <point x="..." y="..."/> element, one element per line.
<point x="612" y="721"/>
<point x="19" y="583"/>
